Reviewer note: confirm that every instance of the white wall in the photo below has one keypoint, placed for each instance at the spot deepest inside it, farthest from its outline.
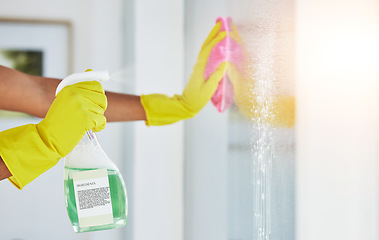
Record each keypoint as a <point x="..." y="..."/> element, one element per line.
<point x="337" y="137"/>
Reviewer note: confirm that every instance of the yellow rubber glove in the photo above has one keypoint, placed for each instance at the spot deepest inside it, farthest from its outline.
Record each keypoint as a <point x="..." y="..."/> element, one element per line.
<point x="32" y="149"/>
<point x="161" y="109"/>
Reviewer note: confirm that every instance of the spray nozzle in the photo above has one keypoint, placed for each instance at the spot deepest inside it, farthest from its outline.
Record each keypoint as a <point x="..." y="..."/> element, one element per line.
<point x="88" y="75"/>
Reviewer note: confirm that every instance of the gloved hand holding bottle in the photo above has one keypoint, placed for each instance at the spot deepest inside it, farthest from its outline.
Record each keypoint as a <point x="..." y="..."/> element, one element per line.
<point x="32" y="149"/>
<point x="161" y="109"/>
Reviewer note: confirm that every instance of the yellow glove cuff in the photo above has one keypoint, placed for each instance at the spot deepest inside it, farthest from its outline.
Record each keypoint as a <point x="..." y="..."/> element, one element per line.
<point x="161" y="109"/>
<point x="25" y="154"/>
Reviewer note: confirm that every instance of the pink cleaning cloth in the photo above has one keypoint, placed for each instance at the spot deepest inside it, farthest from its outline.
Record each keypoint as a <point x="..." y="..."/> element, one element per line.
<point x="226" y="50"/>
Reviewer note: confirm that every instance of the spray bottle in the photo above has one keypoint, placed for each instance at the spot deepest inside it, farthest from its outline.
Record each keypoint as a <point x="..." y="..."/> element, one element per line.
<point x="95" y="192"/>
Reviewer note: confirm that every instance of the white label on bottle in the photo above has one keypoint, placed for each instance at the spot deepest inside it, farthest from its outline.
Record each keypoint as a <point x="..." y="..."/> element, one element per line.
<point x="93" y="198"/>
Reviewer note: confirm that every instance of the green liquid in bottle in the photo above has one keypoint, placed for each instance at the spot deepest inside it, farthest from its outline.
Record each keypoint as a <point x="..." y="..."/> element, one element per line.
<point x="118" y="199"/>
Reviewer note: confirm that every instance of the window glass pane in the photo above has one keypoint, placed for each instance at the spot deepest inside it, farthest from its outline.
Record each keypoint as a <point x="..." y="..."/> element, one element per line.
<point x="261" y="196"/>
<point x="241" y="173"/>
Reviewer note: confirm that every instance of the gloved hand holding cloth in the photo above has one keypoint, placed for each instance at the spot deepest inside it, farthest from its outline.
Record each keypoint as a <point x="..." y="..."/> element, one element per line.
<point x="32" y="149"/>
<point x="162" y="109"/>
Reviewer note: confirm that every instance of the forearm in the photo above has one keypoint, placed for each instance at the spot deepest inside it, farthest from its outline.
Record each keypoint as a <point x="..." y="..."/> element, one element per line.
<point x="124" y="107"/>
<point x="25" y="93"/>
<point x="4" y="172"/>
<point x="33" y="95"/>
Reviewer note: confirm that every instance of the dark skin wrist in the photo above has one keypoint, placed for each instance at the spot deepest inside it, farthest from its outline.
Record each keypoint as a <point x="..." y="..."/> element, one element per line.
<point x="4" y="172"/>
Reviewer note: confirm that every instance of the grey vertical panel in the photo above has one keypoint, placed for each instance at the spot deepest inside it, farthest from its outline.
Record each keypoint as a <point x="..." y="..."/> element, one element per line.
<point x="128" y="61"/>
